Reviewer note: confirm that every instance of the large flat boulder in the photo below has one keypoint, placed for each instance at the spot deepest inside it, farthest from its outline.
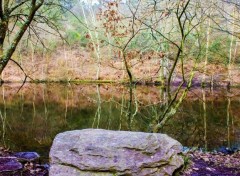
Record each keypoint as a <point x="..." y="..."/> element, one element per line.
<point x="107" y="153"/>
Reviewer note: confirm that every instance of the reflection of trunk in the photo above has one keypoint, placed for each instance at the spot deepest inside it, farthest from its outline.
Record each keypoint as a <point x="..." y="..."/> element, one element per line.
<point x="136" y="104"/>
<point x="122" y="110"/>
<point x="205" y="118"/>
<point x="131" y="113"/>
<point x="66" y="107"/>
<point x="129" y="110"/>
<point x="228" y="121"/>
<point x="72" y="100"/>
<point x="34" y="106"/>
<point x="98" y="112"/>
<point x="3" y="116"/>
<point x="45" y="105"/>
<point x="22" y="103"/>
<point x="110" y="113"/>
<point x="158" y="113"/>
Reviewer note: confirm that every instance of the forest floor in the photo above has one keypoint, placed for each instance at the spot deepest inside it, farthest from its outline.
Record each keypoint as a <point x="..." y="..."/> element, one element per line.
<point x="212" y="164"/>
<point x="79" y="64"/>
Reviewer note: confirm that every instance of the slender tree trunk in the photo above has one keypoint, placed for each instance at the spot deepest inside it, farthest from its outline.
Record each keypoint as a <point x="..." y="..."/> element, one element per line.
<point x="3" y="30"/>
<point x="127" y="68"/>
<point x="173" y="68"/>
<point x="230" y="49"/>
<point x="94" y="38"/>
<point x="207" y="47"/>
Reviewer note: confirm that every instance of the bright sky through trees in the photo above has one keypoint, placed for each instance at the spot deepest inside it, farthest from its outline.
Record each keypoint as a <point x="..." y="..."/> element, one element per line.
<point x="96" y="1"/>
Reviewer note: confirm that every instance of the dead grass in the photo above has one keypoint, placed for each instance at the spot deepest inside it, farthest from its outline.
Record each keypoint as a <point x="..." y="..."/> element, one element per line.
<point x="78" y="64"/>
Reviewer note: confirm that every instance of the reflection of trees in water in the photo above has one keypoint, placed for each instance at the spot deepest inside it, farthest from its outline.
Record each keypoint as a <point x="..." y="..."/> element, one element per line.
<point x="128" y="108"/>
<point x="44" y="101"/>
<point x="99" y="108"/>
<point x="199" y="123"/>
<point x="35" y="117"/>
<point x="3" y="115"/>
<point x="122" y="109"/>
<point x="204" y="118"/>
<point x="68" y="100"/>
<point x="132" y="109"/>
<point x="228" y="121"/>
<point x="205" y="127"/>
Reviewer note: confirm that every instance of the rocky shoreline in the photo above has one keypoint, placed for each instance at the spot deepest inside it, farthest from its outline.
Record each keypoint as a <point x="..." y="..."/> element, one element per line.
<point x="21" y="164"/>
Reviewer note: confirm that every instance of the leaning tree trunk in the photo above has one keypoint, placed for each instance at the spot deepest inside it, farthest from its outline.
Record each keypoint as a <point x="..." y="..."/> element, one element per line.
<point x="6" y="54"/>
<point x="3" y="31"/>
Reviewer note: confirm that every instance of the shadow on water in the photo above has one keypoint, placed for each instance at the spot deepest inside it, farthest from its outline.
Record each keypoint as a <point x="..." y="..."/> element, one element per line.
<point x="30" y="119"/>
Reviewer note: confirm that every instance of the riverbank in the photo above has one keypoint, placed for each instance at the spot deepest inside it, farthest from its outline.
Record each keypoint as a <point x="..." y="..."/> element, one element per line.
<point x="76" y="64"/>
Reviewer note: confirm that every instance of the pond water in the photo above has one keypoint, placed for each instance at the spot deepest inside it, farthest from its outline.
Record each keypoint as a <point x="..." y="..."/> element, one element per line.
<point x="31" y="118"/>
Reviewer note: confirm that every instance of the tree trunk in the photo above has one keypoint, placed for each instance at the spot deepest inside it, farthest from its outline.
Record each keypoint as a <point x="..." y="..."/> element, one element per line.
<point x="127" y="68"/>
<point x="5" y="55"/>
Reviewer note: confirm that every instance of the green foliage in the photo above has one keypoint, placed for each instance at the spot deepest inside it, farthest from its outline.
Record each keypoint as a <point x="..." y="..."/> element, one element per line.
<point x="73" y="36"/>
<point x="219" y="50"/>
<point x="75" y="33"/>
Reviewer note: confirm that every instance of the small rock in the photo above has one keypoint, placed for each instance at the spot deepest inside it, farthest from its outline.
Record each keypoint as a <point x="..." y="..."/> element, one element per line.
<point x="210" y="169"/>
<point x="27" y="156"/>
<point x="205" y="159"/>
<point x="9" y="164"/>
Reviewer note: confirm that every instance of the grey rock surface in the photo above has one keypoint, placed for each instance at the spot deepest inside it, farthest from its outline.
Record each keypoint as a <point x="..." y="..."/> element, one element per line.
<point x="27" y="156"/>
<point x="104" y="153"/>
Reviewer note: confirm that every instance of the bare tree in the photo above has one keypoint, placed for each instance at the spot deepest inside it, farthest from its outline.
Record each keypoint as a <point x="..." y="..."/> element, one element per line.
<point x="19" y="17"/>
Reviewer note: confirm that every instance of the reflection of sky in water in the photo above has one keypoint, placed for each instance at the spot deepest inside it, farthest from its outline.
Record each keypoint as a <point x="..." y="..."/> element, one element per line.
<point x="31" y="119"/>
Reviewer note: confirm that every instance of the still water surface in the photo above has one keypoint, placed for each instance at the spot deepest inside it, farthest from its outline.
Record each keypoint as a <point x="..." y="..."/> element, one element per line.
<point x="31" y="118"/>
